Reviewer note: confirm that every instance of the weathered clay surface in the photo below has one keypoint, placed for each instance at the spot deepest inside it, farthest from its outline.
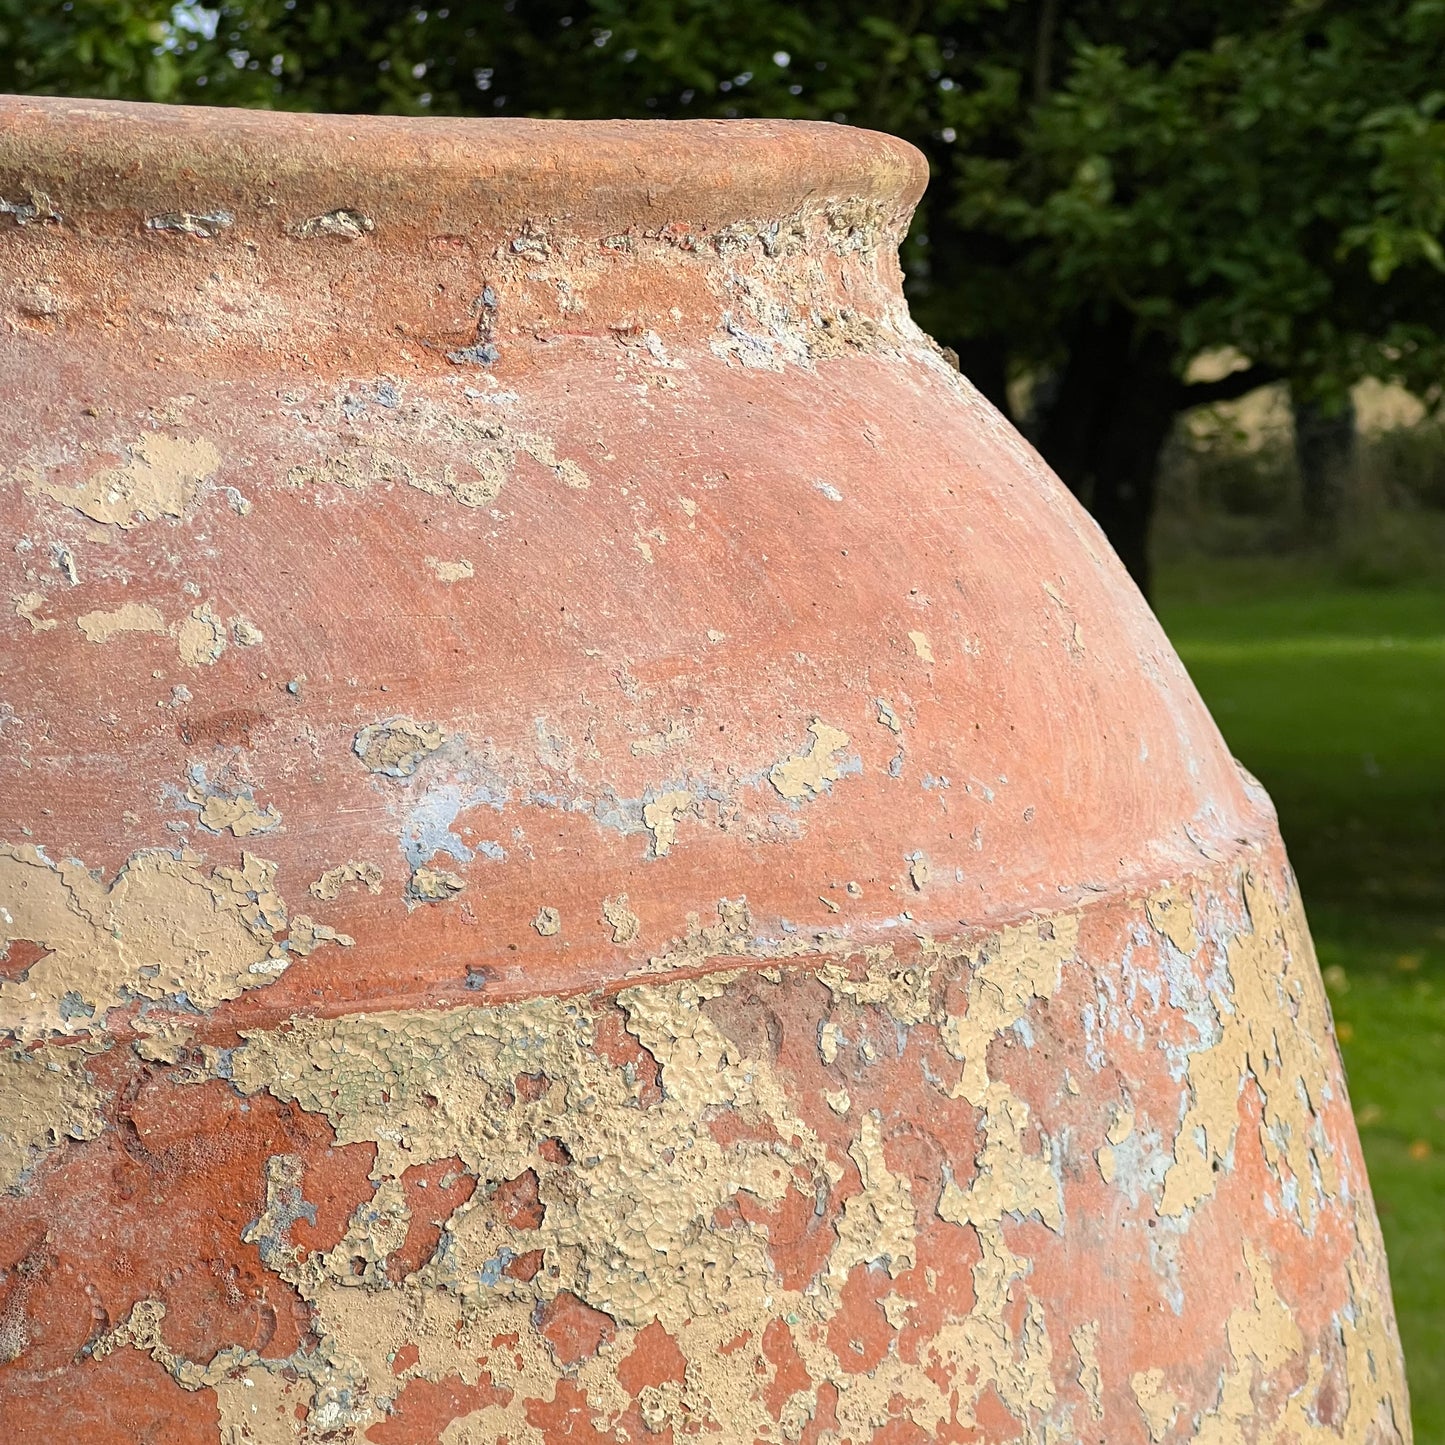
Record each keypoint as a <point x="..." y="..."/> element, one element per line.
<point x="590" y="847"/>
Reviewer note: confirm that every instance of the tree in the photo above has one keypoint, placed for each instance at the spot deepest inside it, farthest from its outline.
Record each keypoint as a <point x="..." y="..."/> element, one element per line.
<point x="1117" y="185"/>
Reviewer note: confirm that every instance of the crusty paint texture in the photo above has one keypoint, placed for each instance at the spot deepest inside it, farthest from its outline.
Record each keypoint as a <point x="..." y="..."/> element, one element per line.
<point x="164" y="927"/>
<point x="644" y="1165"/>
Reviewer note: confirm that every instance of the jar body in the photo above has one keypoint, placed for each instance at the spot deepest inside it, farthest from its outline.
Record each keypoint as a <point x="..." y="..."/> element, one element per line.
<point x="592" y="843"/>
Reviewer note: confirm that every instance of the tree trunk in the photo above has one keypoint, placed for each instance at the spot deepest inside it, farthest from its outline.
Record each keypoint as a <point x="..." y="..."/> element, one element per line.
<point x="1324" y="448"/>
<point x="1105" y="427"/>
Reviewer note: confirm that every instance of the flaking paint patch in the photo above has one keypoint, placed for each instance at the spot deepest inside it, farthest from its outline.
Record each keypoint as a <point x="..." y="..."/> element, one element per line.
<point x="347" y="875"/>
<point x="433" y="885"/>
<point x="661" y="818"/>
<point x="921" y="646"/>
<point x="458" y="571"/>
<point x="28" y="605"/>
<point x="1085" y="1340"/>
<point x="903" y="990"/>
<point x="879" y="1223"/>
<point x="201" y="637"/>
<point x="130" y="617"/>
<point x="1274" y="1030"/>
<point x="808" y="773"/>
<point x="47" y="1100"/>
<point x="620" y="918"/>
<point x="638" y="1216"/>
<point x="162" y="927"/>
<point x="236" y="813"/>
<point x="1016" y="967"/>
<point x="487" y="455"/>
<point x="1157" y="1402"/>
<point x="160" y="479"/>
<point x="397" y="746"/>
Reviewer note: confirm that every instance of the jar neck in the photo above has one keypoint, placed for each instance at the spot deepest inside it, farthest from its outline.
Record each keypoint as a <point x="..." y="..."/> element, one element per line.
<point x="239" y="231"/>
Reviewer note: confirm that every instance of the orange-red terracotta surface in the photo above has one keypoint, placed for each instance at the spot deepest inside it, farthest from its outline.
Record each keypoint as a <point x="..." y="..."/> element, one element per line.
<point x="591" y="848"/>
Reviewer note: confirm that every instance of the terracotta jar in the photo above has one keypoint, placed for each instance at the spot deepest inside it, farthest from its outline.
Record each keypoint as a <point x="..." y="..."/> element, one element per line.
<point x="593" y="849"/>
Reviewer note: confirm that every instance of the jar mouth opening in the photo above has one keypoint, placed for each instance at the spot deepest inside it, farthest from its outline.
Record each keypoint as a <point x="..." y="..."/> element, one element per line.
<point x="82" y="161"/>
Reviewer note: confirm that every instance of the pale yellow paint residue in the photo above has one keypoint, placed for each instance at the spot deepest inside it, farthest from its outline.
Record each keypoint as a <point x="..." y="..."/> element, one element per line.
<point x="47" y="1100"/>
<point x="433" y="885"/>
<point x="1157" y="1402"/>
<point x="1085" y="1340"/>
<point x="661" y="816"/>
<point x="161" y="927"/>
<point x="201" y="637"/>
<point x="1121" y="1125"/>
<point x="548" y="922"/>
<point x="879" y="1224"/>
<point x="808" y="773"/>
<point x="160" y="479"/>
<point x="486" y="458"/>
<point x="921" y="646"/>
<point x="1172" y="914"/>
<point x="130" y="617"/>
<point x="1016" y="967"/>
<point x="1273" y="1029"/>
<point x="1009" y="1180"/>
<point x="28" y="605"/>
<point x="458" y="571"/>
<point x="904" y="991"/>
<point x="639" y="1218"/>
<point x="238" y="814"/>
<point x="623" y="922"/>
<point x="397" y="746"/>
<point x="346" y="875"/>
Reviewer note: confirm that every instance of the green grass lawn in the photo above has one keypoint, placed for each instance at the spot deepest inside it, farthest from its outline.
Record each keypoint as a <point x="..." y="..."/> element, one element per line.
<point x="1335" y="699"/>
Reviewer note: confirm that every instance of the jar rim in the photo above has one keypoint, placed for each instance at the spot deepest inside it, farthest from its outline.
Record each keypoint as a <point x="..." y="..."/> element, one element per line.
<point x="83" y="161"/>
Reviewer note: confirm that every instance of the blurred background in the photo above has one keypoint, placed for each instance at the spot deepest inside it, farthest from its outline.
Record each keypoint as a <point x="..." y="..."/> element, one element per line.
<point x="1195" y="249"/>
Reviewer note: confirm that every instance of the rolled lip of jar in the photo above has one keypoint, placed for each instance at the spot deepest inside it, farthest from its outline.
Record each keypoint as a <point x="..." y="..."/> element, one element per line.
<point x="104" y="165"/>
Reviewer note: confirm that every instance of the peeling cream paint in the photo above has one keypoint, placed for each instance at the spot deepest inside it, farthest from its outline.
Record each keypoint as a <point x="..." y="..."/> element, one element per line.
<point x="1018" y="966"/>
<point x="1274" y="1030"/>
<point x="433" y="885"/>
<point x="458" y="571"/>
<point x="160" y="479"/>
<point x="130" y="617"/>
<point x="903" y="990"/>
<point x="397" y="746"/>
<point x="162" y="927"/>
<point x="47" y="1100"/>
<point x="548" y="922"/>
<point x="1008" y="1179"/>
<point x="487" y="451"/>
<point x="921" y="646"/>
<point x="661" y="816"/>
<point x="808" y="773"/>
<point x="237" y="814"/>
<point x="363" y="875"/>
<point x="1156" y="1403"/>
<point x="201" y="637"/>
<point x="28" y="606"/>
<point x="1085" y="1340"/>
<point x="879" y="1224"/>
<point x="637" y="1218"/>
<point x="624" y="923"/>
